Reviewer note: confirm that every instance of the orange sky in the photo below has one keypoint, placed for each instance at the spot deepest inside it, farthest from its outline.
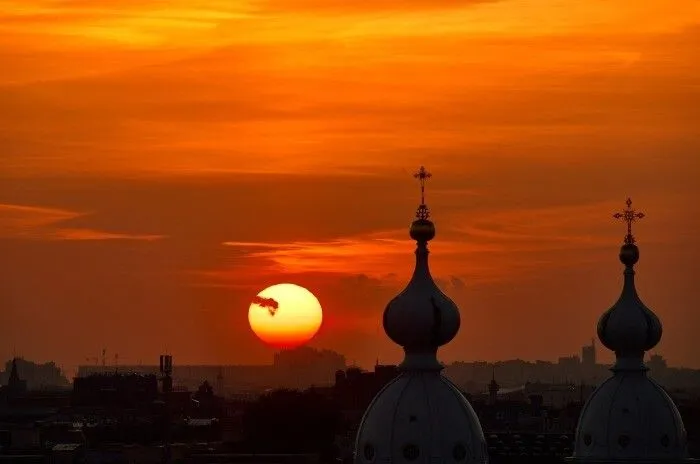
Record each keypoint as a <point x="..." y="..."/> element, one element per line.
<point x="163" y="161"/>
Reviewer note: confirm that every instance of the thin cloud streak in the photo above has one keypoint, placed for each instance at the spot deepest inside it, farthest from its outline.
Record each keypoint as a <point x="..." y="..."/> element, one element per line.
<point x="494" y="246"/>
<point x="89" y="234"/>
<point x="41" y="223"/>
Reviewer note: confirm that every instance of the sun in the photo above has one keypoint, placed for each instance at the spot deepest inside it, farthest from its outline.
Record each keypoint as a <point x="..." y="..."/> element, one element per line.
<point x="285" y="315"/>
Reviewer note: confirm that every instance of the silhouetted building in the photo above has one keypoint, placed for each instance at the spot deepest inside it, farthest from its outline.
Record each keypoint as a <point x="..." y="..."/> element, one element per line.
<point x="35" y="376"/>
<point x="657" y="363"/>
<point x="420" y="415"/>
<point x="296" y="368"/>
<point x="15" y="386"/>
<point x="355" y="388"/>
<point x="166" y="372"/>
<point x="588" y="355"/>
<point x="115" y="391"/>
<point x="493" y="389"/>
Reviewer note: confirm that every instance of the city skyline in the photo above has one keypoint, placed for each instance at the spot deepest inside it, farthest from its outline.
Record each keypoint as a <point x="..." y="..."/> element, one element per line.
<point x="160" y="168"/>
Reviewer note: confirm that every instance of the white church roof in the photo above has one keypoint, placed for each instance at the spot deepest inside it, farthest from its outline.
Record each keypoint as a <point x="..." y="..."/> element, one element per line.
<point x="420" y="417"/>
<point x="630" y="417"/>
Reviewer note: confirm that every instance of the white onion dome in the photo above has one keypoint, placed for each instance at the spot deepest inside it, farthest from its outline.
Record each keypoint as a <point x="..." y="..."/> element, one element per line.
<point x="421" y="417"/>
<point x="630" y="417"/>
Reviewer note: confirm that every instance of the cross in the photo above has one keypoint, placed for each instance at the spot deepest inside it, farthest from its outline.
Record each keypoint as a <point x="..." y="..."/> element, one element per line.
<point x="422" y="175"/>
<point x="629" y="215"/>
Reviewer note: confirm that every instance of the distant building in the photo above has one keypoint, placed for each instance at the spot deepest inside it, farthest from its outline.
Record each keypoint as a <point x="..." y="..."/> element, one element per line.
<point x="588" y="355"/>
<point x="15" y="386"/>
<point x="355" y="388"/>
<point x="494" y="387"/>
<point x="657" y="364"/>
<point x="115" y="391"/>
<point x="35" y="376"/>
<point x="297" y="368"/>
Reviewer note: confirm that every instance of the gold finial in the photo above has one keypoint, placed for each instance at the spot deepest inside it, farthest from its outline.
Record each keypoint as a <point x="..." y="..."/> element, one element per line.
<point x="629" y="215"/>
<point x="422" y="175"/>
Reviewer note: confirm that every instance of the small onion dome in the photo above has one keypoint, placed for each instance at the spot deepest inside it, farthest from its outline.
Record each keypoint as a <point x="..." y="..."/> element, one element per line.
<point x="629" y="328"/>
<point x="421" y="318"/>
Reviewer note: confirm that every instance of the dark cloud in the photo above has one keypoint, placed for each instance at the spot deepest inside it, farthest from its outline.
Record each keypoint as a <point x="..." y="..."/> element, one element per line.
<point x="450" y="283"/>
<point x="267" y="303"/>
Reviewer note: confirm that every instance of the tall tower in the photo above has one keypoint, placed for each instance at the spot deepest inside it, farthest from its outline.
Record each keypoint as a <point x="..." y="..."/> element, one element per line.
<point x="420" y="417"/>
<point x="15" y="385"/>
<point x="493" y="388"/>
<point x="220" y="384"/>
<point x="166" y="371"/>
<point x="629" y="417"/>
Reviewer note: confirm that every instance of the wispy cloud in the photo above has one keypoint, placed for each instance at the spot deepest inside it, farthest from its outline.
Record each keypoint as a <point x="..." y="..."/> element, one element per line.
<point x="89" y="234"/>
<point x="20" y="219"/>
<point x="538" y="229"/>
<point x="136" y="24"/>
<point x="41" y="223"/>
<point x="490" y="246"/>
<point x="362" y="6"/>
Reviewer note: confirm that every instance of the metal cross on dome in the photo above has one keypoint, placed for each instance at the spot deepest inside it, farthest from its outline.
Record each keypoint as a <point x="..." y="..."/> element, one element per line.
<point x="422" y="175"/>
<point x="629" y="215"/>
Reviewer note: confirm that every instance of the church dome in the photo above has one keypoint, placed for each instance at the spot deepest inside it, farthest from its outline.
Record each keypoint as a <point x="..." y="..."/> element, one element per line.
<point x="630" y="417"/>
<point x="421" y="318"/>
<point x="421" y="417"/>
<point x="629" y="327"/>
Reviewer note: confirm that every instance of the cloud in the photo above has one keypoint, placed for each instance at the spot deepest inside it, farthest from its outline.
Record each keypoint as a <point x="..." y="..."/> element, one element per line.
<point x="40" y="223"/>
<point x="143" y="24"/>
<point x="270" y="304"/>
<point x="88" y="234"/>
<point x="357" y="255"/>
<point x="362" y="6"/>
<point x="474" y="249"/>
<point x="278" y="108"/>
<point x="22" y="219"/>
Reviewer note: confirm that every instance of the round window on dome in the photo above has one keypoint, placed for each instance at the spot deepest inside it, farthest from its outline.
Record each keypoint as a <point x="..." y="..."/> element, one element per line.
<point x="587" y="439"/>
<point x="368" y="452"/>
<point x="623" y="441"/>
<point x="459" y="452"/>
<point x="411" y="452"/>
<point x="665" y="441"/>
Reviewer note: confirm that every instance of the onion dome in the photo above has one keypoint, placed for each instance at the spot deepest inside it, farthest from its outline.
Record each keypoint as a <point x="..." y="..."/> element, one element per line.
<point x="629" y="328"/>
<point x="421" y="417"/>
<point x="421" y="318"/>
<point x="630" y="417"/>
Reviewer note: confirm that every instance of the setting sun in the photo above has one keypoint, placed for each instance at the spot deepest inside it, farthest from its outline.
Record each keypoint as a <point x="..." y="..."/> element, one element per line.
<point x="285" y="315"/>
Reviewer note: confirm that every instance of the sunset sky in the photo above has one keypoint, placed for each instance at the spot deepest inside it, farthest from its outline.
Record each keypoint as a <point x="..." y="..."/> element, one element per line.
<point x="161" y="162"/>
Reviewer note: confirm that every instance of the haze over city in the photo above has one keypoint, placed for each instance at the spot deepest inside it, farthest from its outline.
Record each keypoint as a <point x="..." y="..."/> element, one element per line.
<point x="160" y="167"/>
